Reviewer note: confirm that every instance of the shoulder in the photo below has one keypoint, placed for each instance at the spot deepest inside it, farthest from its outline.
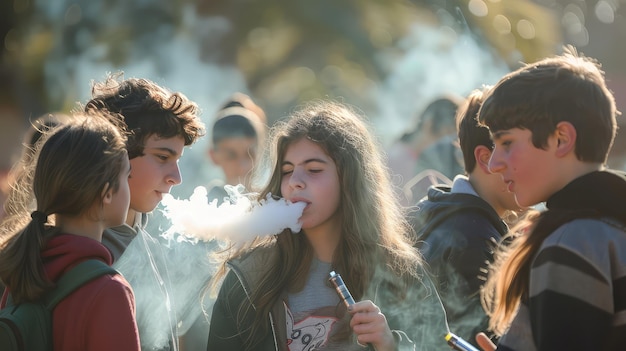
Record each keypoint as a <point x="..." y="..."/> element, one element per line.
<point x="594" y="246"/>
<point x="122" y="233"/>
<point x="253" y="264"/>
<point x="102" y="296"/>
<point x="252" y="258"/>
<point x="107" y="287"/>
<point x="116" y="241"/>
<point x="466" y="219"/>
<point x="587" y="234"/>
<point x="465" y="229"/>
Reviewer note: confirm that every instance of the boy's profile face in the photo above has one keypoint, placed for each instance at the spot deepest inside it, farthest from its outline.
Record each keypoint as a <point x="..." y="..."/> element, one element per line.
<point x="502" y="199"/>
<point x="236" y="157"/>
<point x="529" y="172"/>
<point x="155" y="172"/>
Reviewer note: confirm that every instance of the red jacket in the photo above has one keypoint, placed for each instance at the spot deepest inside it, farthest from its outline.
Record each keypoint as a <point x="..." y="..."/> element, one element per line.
<point x="100" y="315"/>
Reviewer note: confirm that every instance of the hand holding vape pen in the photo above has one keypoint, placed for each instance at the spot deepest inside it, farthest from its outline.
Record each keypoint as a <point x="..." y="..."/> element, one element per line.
<point x="456" y="343"/>
<point x="345" y="295"/>
<point x="341" y="288"/>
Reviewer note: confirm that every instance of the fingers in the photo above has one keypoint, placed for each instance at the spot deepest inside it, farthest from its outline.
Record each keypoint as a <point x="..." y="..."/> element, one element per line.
<point x="370" y="325"/>
<point x="365" y="313"/>
<point x="364" y="306"/>
<point x="484" y="342"/>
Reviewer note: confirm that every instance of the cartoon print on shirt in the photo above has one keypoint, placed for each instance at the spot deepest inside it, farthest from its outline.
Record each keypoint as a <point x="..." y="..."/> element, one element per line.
<point x="308" y="334"/>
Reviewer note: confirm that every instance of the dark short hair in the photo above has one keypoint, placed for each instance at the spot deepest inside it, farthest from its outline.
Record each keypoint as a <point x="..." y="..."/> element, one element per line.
<point x="567" y="87"/>
<point x="471" y="133"/>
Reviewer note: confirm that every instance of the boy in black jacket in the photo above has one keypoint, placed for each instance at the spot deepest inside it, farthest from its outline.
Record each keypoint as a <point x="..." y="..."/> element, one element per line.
<point x="457" y="226"/>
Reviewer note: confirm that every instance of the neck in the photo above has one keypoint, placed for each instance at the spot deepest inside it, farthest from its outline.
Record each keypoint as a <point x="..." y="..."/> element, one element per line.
<point x="483" y="184"/>
<point x="81" y="225"/>
<point x="324" y="240"/>
<point x="130" y="217"/>
<point x="574" y="170"/>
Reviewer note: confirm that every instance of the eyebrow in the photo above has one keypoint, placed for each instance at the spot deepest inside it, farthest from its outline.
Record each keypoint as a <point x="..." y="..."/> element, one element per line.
<point x="499" y="134"/>
<point x="164" y="149"/>
<point x="305" y="161"/>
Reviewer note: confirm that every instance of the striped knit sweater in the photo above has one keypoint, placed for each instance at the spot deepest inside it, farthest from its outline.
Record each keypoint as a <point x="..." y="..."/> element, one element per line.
<point x="577" y="294"/>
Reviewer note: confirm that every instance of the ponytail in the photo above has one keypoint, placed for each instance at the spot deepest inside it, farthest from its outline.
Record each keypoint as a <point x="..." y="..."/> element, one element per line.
<point x="21" y="267"/>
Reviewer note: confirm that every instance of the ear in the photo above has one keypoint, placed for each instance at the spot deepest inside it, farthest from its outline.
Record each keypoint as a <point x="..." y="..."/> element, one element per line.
<point x="213" y="156"/>
<point x="565" y="134"/>
<point x="107" y="194"/>
<point x="482" y="154"/>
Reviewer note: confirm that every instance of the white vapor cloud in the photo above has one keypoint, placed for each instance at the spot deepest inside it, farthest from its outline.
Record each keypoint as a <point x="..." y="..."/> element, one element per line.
<point x="237" y="220"/>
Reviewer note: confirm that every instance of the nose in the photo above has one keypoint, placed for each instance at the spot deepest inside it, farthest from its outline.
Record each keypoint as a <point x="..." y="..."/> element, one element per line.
<point x="174" y="177"/>
<point x="296" y="180"/>
<point x="496" y="164"/>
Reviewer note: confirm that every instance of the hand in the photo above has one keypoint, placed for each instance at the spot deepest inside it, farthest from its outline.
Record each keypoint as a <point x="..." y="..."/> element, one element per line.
<point x="484" y="342"/>
<point x="370" y="326"/>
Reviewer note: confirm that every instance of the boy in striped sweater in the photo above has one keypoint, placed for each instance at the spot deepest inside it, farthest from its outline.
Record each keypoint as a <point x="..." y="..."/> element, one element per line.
<point x="561" y="285"/>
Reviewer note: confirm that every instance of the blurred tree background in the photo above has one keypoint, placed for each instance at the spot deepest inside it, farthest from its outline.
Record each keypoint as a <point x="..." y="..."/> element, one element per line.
<point x="387" y="57"/>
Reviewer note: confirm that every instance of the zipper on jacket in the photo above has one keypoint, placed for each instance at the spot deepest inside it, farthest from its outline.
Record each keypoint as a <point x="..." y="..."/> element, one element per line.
<point x="245" y="290"/>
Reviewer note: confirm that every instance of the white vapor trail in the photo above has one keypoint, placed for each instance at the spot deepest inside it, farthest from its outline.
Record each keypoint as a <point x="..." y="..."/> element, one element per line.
<point x="238" y="220"/>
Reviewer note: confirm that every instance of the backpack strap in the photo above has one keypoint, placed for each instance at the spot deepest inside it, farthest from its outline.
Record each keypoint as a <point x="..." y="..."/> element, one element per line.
<point x="75" y="278"/>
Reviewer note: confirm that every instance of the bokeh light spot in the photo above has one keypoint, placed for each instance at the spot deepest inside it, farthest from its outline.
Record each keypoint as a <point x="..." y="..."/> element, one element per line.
<point x="478" y="8"/>
<point x="605" y="12"/>
<point x="526" y="29"/>
<point x="501" y="24"/>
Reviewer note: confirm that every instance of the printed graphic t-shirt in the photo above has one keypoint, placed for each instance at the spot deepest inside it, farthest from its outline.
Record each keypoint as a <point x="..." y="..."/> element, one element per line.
<point x="315" y="314"/>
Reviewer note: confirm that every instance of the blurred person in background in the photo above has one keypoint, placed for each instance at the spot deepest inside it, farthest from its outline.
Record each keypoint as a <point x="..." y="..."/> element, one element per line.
<point x="237" y="138"/>
<point x="405" y="155"/>
<point x="37" y="128"/>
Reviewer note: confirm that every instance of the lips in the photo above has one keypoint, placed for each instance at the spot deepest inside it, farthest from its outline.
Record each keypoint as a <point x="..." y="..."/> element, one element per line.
<point x="298" y="199"/>
<point x="509" y="185"/>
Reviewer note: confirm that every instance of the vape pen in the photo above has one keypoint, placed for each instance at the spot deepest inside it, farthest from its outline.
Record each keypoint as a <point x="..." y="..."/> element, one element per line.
<point x="341" y="288"/>
<point x="459" y="344"/>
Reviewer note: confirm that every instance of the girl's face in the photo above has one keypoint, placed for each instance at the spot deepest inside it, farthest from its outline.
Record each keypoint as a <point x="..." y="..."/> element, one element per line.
<point x="309" y="175"/>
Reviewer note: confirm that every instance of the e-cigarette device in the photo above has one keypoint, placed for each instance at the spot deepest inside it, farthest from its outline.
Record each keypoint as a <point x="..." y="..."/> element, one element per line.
<point x="341" y="288"/>
<point x="456" y="343"/>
